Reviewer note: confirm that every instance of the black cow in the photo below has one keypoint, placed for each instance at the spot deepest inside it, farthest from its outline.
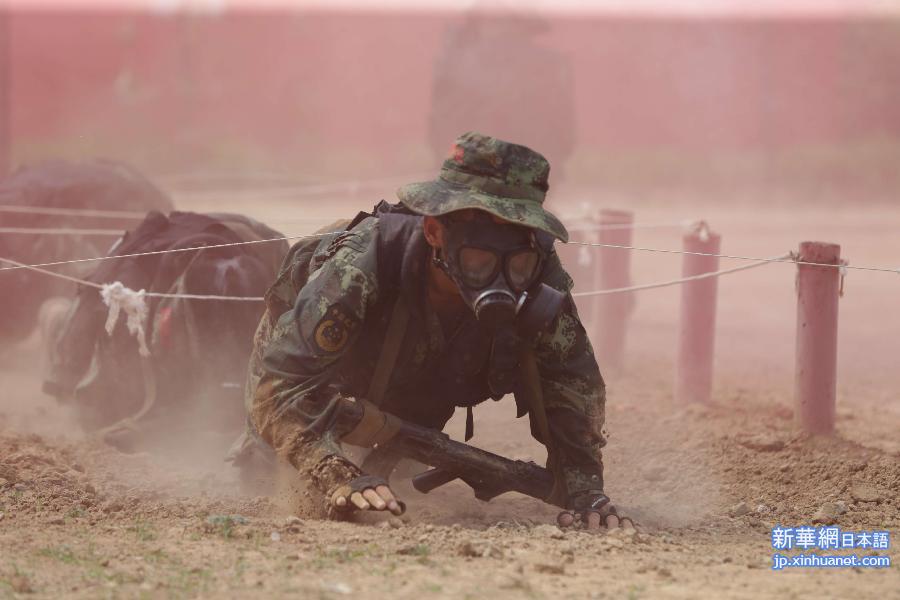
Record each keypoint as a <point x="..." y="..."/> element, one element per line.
<point x="199" y="349"/>
<point x="97" y="185"/>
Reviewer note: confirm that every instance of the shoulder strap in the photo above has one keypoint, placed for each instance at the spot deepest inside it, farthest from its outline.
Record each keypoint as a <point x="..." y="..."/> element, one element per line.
<point x="377" y="428"/>
<point x="395" y="230"/>
<point x="537" y="413"/>
<point x="389" y="351"/>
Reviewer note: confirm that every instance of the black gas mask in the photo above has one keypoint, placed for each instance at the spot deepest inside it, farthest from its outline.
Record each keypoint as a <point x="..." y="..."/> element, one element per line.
<point x="496" y="266"/>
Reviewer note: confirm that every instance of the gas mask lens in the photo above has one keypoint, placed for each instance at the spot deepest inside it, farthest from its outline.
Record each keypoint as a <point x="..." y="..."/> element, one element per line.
<point x="479" y="267"/>
<point x="521" y="268"/>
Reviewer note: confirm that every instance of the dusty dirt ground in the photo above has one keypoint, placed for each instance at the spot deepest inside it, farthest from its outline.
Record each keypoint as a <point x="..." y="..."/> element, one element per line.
<point x="79" y="519"/>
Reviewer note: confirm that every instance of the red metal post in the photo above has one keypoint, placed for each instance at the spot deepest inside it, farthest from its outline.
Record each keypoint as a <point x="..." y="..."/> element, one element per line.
<point x="616" y="227"/>
<point x="582" y="262"/>
<point x="588" y="279"/>
<point x="697" y="335"/>
<point x="818" y="289"/>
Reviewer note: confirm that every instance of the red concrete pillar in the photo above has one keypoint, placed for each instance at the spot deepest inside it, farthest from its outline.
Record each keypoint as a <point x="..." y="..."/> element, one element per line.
<point x="615" y="272"/>
<point x="697" y="335"/>
<point x="817" y="318"/>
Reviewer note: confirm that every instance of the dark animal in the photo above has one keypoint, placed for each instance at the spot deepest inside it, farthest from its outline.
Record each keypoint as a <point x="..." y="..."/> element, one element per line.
<point x="97" y="185"/>
<point x="199" y="349"/>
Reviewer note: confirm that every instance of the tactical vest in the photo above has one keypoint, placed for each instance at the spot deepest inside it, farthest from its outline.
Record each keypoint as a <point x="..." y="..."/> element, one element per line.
<point x="459" y="377"/>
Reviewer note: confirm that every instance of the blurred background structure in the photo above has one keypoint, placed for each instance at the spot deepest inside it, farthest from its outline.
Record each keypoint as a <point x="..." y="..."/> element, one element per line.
<point x="631" y="99"/>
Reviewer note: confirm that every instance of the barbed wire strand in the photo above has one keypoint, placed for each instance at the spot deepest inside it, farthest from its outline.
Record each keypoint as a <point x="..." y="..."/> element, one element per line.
<point x="100" y="286"/>
<point x="170" y="251"/>
<point x="62" y="276"/>
<point x="650" y="286"/>
<point x="672" y="282"/>
<point x="783" y="258"/>
<point x="116" y="214"/>
<point x="60" y="231"/>
<point x="74" y="212"/>
<point x="590" y="244"/>
<point x="637" y="225"/>
<point x="739" y="257"/>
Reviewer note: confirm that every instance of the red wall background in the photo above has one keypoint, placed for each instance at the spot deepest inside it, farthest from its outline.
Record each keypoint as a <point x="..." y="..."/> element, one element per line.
<point x="321" y="88"/>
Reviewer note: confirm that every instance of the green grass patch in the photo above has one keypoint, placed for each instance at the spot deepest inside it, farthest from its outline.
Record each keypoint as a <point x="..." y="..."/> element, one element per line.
<point x="143" y="530"/>
<point x="224" y="525"/>
<point x="63" y="554"/>
<point x="329" y="557"/>
<point x="76" y="512"/>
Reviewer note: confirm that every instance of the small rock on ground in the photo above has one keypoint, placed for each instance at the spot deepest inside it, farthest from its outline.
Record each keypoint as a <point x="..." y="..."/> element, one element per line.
<point x="829" y="512"/>
<point x="549" y="531"/>
<point x="762" y="443"/>
<point x="864" y="492"/>
<point x="739" y="510"/>
<point x="550" y="569"/>
<point x="479" y="549"/>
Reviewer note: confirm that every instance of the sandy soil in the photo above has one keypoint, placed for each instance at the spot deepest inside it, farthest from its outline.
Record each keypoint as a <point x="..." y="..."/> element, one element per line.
<point x="706" y="483"/>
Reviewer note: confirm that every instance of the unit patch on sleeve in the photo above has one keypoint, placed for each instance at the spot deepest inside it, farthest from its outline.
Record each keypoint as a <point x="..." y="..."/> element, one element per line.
<point x="335" y="329"/>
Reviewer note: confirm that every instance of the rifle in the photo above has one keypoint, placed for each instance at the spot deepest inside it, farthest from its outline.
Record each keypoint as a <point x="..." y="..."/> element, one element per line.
<point x="488" y="474"/>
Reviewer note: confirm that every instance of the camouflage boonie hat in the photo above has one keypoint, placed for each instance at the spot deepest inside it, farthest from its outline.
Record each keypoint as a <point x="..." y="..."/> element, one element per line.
<point x="507" y="180"/>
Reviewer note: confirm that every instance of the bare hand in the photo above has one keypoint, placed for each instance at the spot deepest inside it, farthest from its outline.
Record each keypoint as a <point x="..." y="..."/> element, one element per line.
<point x="378" y="498"/>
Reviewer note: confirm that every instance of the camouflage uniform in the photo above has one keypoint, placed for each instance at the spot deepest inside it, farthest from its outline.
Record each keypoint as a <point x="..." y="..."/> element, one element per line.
<point x="328" y="313"/>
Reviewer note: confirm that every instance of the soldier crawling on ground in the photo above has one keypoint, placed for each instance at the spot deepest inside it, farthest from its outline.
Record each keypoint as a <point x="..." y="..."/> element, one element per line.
<point x="415" y="310"/>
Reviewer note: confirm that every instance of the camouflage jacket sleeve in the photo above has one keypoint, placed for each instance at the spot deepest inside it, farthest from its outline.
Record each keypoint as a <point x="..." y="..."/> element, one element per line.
<point x="574" y="392"/>
<point x="296" y="406"/>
